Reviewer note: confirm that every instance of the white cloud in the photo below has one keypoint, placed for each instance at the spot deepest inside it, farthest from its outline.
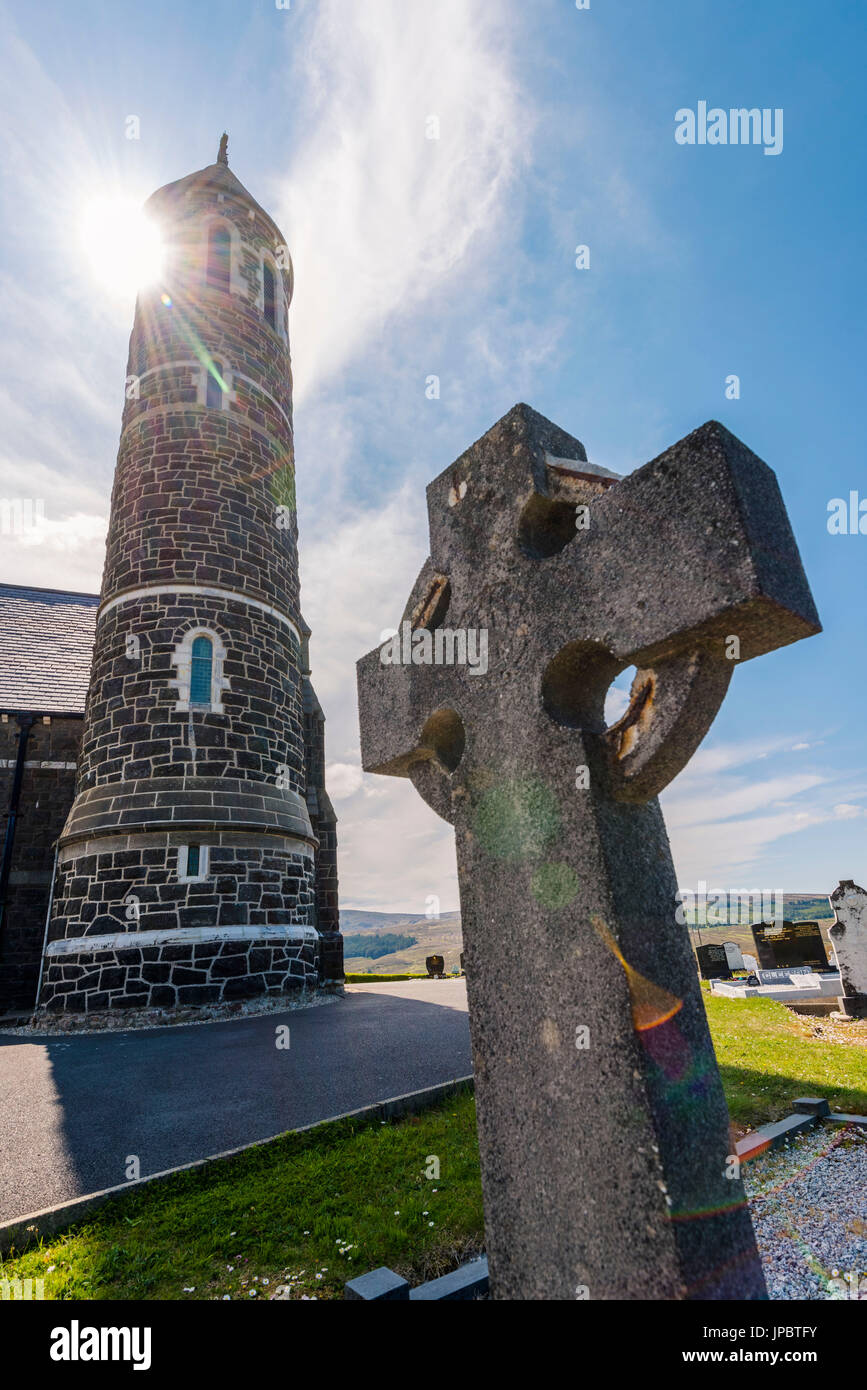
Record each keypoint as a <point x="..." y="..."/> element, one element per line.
<point x="69" y="534"/>
<point x="723" y="821"/>
<point x="616" y="704"/>
<point x="395" y="852"/>
<point x="378" y="215"/>
<point x="343" y="780"/>
<point x="692" y="802"/>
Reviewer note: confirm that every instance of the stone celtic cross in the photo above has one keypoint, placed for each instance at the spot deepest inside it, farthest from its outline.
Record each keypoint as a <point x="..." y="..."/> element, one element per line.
<point x="606" y="1156"/>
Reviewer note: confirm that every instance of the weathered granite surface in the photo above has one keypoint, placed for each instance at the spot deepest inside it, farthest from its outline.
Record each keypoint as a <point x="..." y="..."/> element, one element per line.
<point x="848" y="936"/>
<point x="602" y="1122"/>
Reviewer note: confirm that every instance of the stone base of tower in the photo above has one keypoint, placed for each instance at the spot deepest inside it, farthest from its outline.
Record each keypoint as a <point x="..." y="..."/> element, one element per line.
<point x="133" y="926"/>
<point x="164" y="969"/>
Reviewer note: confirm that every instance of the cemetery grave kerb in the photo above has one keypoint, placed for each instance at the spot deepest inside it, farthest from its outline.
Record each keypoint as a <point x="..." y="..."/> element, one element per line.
<point x="602" y="1124"/>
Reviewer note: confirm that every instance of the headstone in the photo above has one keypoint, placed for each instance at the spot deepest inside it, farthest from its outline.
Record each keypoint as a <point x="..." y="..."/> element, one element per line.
<point x="733" y="955"/>
<point x="750" y="962"/>
<point x="780" y="945"/>
<point x="435" y="967"/>
<point x="713" y="963"/>
<point x="784" y="977"/>
<point x="848" y="937"/>
<point x="603" y="1129"/>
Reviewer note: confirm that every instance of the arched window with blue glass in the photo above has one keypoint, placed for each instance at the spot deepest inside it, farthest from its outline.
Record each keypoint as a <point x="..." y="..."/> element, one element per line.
<point x="199" y="661"/>
<point x="201" y="671"/>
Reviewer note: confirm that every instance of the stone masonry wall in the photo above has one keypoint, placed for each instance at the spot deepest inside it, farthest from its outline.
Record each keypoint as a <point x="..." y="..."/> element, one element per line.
<point x="46" y="796"/>
<point x="133" y="728"/>
<point x="176" y="972"/>
<point x="203" y="500"/>
<point x="195" y="500"/>
<point x="131" y="883"/>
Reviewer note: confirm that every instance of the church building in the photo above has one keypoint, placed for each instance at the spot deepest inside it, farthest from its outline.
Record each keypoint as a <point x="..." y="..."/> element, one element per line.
<point x="166" y="834"/>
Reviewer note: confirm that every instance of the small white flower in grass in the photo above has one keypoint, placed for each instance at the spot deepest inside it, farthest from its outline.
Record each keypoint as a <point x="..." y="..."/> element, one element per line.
<point x="266" y="1281"/>
<point x="190" y="1290"/>
<point x="253" y="1292"/>
<point x="319" y="1276"/>
<point x="51" y="1269"/>
<point x="424" y="1213"/>
<point x="230" y="1268"/>
<point x="430" y="1223"/>
<point x="397" y="1213"/>
<point x="306" y="1233"/>
<point x="227" y="1298"/>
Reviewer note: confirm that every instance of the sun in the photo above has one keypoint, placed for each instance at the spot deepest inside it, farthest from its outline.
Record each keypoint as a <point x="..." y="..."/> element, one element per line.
<point x="122" y="246"/>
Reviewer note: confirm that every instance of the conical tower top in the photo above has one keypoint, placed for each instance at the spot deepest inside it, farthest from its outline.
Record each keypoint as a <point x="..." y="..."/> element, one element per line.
<point x="223" y="151"/>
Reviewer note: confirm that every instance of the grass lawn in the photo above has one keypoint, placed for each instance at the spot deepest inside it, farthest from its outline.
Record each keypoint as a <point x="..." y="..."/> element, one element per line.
<point x="353" y="1195"/>
<point x="283" y="1211"/>
<point x="768" y="1057"/>
<point x="362" y="979"/>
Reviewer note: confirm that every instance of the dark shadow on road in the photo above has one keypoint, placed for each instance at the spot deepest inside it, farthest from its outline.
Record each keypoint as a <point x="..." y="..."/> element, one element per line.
<point x="74" y="1111"/>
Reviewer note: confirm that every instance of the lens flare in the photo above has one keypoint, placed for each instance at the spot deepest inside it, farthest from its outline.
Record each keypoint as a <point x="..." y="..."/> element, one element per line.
<point x="651" y="1004"/>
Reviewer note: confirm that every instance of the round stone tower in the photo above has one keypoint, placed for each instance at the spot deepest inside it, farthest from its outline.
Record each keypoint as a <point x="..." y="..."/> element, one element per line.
<point x="188" y="869"/>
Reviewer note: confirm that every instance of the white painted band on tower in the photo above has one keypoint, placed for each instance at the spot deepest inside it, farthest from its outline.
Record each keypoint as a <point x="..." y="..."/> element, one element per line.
<point x="158" y="590"/>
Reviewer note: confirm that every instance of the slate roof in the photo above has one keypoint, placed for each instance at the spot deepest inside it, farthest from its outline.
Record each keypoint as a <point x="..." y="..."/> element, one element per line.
<point x="46" y="645"/>
<point x="214" y="176"/>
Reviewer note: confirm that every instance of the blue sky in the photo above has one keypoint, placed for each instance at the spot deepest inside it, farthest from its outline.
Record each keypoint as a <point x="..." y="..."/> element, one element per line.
<point x="455" y="257"/>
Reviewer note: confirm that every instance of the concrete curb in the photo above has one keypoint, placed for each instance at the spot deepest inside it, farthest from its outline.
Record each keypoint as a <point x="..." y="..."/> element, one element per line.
<point x="810" y="1111"/>
<point x="469" y="1281"/>
<point x="25" y="1230"/>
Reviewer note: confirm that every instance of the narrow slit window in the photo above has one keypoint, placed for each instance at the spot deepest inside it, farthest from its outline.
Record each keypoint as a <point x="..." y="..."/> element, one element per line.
<point x="270" y="296"/>
<point x="214" y="389"/>
<point x="192" y="863"/>
<point x="219" y="273"/>
<point x="201" y="672"/>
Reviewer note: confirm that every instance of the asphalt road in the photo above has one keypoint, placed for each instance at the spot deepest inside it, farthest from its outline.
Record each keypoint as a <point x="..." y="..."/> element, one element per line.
<point x="72" y="1109"/>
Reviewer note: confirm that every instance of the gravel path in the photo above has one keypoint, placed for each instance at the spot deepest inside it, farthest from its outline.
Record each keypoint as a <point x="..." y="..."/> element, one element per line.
<point x="809" y="1207"/>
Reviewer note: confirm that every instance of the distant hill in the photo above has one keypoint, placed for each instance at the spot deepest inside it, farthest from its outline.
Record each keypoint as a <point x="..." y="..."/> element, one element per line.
<point x="376" y="944"/>
<point x="797" y="907"/>
<point x="442" y="938"/>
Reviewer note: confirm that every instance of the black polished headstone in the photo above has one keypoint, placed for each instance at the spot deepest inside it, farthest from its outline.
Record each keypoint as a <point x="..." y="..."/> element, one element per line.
<point x="713" y="963"/>
<point x="781" y="945"/>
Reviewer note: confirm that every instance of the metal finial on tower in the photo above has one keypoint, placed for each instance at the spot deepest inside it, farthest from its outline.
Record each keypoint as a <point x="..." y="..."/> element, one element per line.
<point x="223" y="152"/>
